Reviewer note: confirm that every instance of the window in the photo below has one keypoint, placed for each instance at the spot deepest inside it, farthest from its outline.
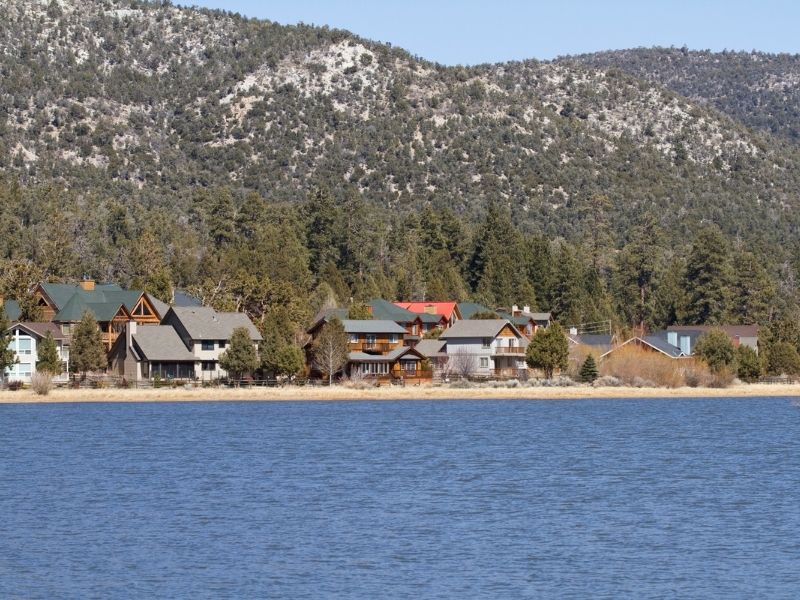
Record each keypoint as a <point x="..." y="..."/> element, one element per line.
<point x="207" y="344"/>
<point x="22" y="345"/>
<point x="484" y="362"/>
<point x="66" y="328"/>
<point x="353" y="338"/>
<point x="409" y="366"/>
<point x="393" y="339"/>
<point x="487" y="342"/>
<point x="370" y="339"/>
<point x="209" y="365"/>
<point x="222" y="344"/>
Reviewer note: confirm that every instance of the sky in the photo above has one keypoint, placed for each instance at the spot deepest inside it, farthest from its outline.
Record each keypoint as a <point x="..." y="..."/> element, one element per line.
<point x="471" y="32"/>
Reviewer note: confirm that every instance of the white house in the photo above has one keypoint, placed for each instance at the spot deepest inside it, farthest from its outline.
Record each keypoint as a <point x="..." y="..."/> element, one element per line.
<point x="25" y="341"/>
<point x="485" y="348"/>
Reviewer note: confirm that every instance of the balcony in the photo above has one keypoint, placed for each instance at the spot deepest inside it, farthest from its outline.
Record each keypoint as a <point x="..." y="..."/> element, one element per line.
<point x="510" y="350"/>
<point x="375" y="347"/>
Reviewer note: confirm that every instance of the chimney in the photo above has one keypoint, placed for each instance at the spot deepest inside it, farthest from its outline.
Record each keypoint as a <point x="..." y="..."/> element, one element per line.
<point x="514" y="310"/>
<point x="130" y="331"/>
<point x="686" y="345"/>
<point x="526" y="310"/>
<point x="573" y="331"/>
<point x="430" y="309"/>
<point x="87" y="284"/>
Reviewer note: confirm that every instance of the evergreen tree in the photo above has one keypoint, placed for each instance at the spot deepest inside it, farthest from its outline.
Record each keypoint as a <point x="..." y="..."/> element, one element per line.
<point x="708" y="278"/>
<point x="548" y="350"/>
<point x="49" y="360"/>
<point x="8" y="357"/>
<point x="87" y="351"/>
<point x="588" y="372"/>
<point x="748" y="364"/>
<point x="221" y="218"/>
<point x="636" y="276"/>
<point x="322" y="230"/>
<point x="716" y="349"/>
<point x="240" y="357"/>
<point x="782" y="358"/>
<point x="280" y="359"/>
<point x="754" y="294"/>
<point x="359" y="311"/>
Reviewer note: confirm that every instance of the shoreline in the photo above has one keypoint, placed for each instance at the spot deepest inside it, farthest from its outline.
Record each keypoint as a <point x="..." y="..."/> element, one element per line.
<point x="339" y="393"/>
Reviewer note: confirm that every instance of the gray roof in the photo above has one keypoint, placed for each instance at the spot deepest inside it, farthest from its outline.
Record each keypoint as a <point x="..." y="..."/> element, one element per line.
<point x="480" y="328"/>
<point x="653" y="341"/>
<point x="388" y="357"/>
<point x="161" y="307"/>
<point x="371" y="326"/>
<point x="161" y="343"/>
<point x="383" y="309"/>
<point x="431" y="347"/>
<point x="204" y="323"/>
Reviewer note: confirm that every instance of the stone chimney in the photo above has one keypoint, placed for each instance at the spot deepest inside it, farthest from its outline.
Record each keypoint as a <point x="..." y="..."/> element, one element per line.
<point x="87" y="284"/>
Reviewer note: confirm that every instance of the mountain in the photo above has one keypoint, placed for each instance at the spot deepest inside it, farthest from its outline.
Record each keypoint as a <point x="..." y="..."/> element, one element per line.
<point x="757" y="89"/>
<point x="149" y="102"/>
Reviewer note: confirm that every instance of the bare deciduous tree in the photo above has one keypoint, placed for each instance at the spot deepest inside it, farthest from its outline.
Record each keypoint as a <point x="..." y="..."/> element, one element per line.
<point x="330" y="349"/>
<point x="462" y="363"/>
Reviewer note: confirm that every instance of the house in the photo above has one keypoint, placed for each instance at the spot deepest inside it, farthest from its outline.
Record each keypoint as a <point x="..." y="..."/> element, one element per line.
<point x="435" y="352"/>
<point x="740" y="335"/>
<point x="376" y="349"/>
<point x="486" y="348"/>
<point x="653" y="343"/>
<point x="186" y="345"/>
<point x="25" y="341"/>
<point x="387" y="311"/>
<point x="111" y="306"/>
<point x="526" y="321"/>
<point x="598" y="343"/>
<point x="433" y="314"/>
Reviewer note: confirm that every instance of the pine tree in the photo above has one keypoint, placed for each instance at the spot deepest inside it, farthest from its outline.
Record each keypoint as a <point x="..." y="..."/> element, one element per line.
<point x="548" y="350"/>
<point x="87" y="351"/>
<point x="635" y="279"/>
<point x="322" y="230"/>
<point x="716" y="349"/>
<point x="8" y="357"/>
<point x="49" y="360"/>
<point x="708" y="278"/>
<point x="240" y="358"/>
<point x="754" y="294"/>
<point x="280" y="359"/>
<point x="748" y="363"/>
<point x="588" y="371"/>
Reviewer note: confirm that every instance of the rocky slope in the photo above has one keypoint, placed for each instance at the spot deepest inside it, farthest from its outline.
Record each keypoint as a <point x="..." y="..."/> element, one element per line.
<point x="148" y="102"/>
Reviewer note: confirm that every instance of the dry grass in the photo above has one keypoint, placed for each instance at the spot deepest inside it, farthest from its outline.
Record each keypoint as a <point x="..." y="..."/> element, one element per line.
<point x="424" y="392"/>
<point x="637" y="367"/>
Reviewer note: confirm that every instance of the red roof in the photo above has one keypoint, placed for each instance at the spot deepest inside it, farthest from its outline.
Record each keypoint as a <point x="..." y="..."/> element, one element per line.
<point x="445" y="309"/>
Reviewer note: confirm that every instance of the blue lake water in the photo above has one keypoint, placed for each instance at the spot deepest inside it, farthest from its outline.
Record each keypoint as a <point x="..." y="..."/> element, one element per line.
<point x="455" y="499"/>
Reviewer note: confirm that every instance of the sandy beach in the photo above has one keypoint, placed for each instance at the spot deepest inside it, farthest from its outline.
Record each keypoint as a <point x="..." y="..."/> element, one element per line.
<point x="339" y="393"/>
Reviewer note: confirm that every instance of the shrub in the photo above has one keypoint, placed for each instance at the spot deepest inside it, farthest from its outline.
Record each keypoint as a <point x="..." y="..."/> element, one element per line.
<point x="749" y="365"/>
<point x="14" y="385"/>
<point x="783" y="359"/>
<point x="634" y="365"/>
<point x="607" y="381"/>
<point x="717" y="350"/>
<point x="42" y="383"/>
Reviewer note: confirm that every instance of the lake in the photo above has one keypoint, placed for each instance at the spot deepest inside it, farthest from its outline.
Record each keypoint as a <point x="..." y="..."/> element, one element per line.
<point x="445" y="499"/>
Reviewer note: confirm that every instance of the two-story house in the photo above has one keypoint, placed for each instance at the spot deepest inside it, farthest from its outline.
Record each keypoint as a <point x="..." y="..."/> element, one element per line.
<point x="25" y="341"/>
<point x="376" y="350"/>
<point x="434" y="315"/>
<point x="187" y="345"/>
<point x="388" y="311"/>
<point x="486" y="348"/>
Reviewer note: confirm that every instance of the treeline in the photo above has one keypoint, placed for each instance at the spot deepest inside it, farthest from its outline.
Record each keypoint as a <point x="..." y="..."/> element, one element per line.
<point x="282" y="261"/>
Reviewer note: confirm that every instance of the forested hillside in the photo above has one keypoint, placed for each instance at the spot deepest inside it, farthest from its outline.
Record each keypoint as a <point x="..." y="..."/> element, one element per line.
<point x="757" y="89"/>
<point x="262" y="165"/>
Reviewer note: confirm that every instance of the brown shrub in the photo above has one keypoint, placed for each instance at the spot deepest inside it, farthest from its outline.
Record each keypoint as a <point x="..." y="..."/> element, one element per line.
<point x="639" y="367"/>
<point x="42" y="383"/>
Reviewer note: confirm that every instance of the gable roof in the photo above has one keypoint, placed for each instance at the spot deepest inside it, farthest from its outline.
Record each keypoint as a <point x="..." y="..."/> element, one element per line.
<point x="468" y="309"/>
<point x="161" y="343"/>
<point x="445" y="309"/>
<point x="651" y="341"/>
<point x="392" y="356"/>
<point x="77" y="306"/>
<point x="383" y="309"/>
<point x="430" y="348"/>
<point x="71" y="301"/>
<point x="40" y="329"/>
<point x="205" y="323"/>
<point x="478" y="328"/>
<point x="371" y="326"/>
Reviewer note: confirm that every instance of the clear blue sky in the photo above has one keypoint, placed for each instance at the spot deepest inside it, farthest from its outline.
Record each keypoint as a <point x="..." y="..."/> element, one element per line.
<point x="471" y="31"/>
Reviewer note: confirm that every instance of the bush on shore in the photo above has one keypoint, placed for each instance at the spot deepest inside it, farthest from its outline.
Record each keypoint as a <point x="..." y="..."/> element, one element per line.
<point x="42" y="383"/>
<point x="637" y="367"/>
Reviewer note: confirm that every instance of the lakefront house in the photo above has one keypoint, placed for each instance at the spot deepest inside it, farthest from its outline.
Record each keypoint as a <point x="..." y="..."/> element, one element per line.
<point x="25" y="339"/>
<point x="187" y="345"/>
<point x="485" y="348"/>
